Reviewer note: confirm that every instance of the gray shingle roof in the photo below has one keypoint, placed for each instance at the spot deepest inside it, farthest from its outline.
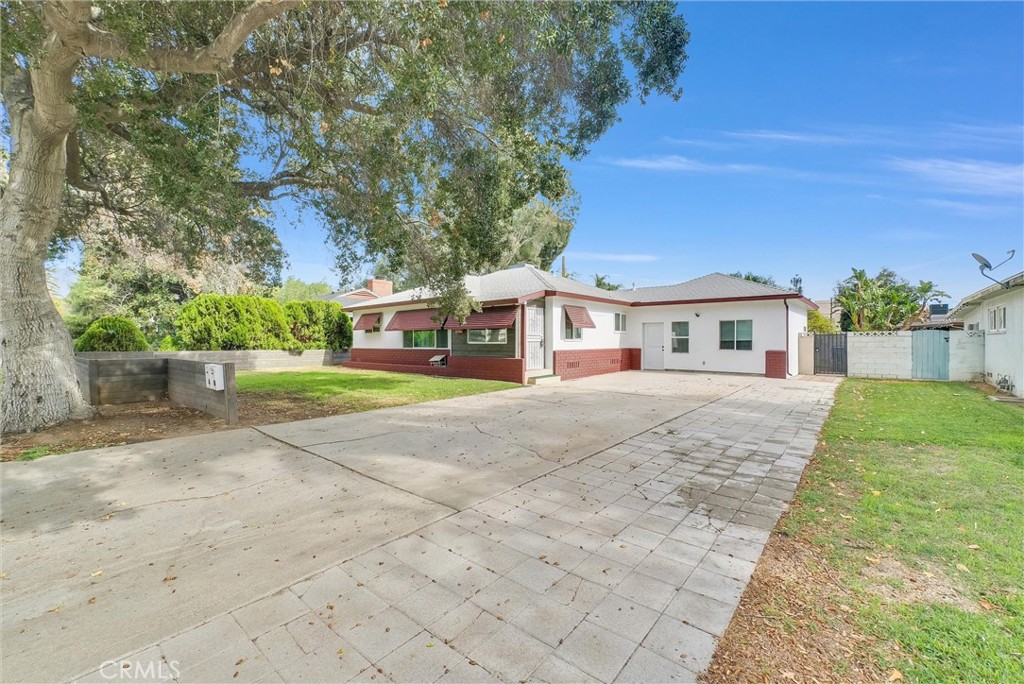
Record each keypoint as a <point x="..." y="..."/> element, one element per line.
<point x="519" y="281"/>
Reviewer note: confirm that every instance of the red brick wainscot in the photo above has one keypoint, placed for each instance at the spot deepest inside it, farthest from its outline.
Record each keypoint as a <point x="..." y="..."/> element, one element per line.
<point x="775" y="364"/>
<point x="579" y="363"/>
<point x="418" y="361"/>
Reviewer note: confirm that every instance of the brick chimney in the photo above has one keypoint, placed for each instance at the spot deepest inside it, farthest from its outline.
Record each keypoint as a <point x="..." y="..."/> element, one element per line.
<point x="380" y="287"/>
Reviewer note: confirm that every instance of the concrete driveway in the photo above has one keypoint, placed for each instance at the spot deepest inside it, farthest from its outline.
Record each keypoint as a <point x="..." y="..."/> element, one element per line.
<point x="598" y="530"/>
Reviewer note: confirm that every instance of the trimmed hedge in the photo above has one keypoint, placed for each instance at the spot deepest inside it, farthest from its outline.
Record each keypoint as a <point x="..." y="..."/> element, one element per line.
<point x="112" y="333"/>
<point x="224" y="322"/>
<point x="319" y="324"/>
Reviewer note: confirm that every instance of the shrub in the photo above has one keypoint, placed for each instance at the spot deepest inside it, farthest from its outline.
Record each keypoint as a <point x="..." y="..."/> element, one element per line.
<point x="818" y="323"/>
<point x="318" y="324"/>
<point x="221" y="322"/>
<point x="112" y="333"/>
<point x="168" y="344"/>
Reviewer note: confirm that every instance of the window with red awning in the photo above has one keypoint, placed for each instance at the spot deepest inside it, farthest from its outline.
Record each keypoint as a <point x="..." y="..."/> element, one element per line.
<point x="367" y="322"/>
<point x="420" y="319"/>
<point x="579" y="316"/>
<point x="495" y="317"/>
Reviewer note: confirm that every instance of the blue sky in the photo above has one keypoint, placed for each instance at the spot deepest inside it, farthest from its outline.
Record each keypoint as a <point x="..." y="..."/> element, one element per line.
<point x="811" y="138"/>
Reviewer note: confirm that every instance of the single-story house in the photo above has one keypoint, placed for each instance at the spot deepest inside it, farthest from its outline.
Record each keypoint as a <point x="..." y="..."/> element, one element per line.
<point x="535" y="324"/>
<point x="999" y="312"/>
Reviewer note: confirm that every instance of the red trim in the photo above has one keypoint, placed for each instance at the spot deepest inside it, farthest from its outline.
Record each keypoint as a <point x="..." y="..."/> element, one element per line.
<point x="578" y="316"/>
<point x="762" y="298"/>
<point x="414" y="319"/>
<point x="494" y="317"/>
<point x="367" y="321"/>
<point x="591" y="298"/>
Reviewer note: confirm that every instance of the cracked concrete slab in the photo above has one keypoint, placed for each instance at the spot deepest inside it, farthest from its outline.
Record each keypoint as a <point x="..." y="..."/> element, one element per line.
<point x="109" y="550"/>
<point x="263" y="555"/>
<point x="461" y="451"/>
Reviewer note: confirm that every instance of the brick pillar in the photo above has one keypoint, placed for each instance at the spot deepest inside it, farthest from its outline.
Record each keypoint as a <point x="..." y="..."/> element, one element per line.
<point x="775" y="364"/>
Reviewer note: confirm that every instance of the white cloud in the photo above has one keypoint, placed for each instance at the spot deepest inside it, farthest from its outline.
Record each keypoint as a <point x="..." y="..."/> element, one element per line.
<point x="967" y="176"/>
<point x="613" y="256"/>
<point x="792" y="137"/>
<point x="675" y="162"/>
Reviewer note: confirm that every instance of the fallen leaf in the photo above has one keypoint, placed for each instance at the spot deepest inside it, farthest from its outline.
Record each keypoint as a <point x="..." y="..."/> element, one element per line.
<point x="96" y="574"/>
<point x="430" y="644"/>
<point x="341" y="651"/>
<point x="985" y="604"/>
<point x="276" y="71"/>
<point x="875" y="492"/>
<point x="973" y="547"/>
<point x="846" y="517"/>
<point x="239" y="662"/>
<point x="819" y="509"/>
<point x="3" y="575"/>
<point x="873" y="559"/>
<point x="91" y="601"/>
<point x="896" y="676"/>
<point x="170" y="578"/>
<point x="962" y="568"/>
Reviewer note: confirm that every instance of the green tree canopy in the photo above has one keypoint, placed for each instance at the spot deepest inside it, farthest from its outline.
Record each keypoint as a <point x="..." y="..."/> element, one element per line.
<point x="755" y="278"/>
<point x="605" y="283"/>
<point x="297" y="290"/>
<point x="412" y="130"/>
<point x="817" y="322"/>
<point x="884" y="301"/>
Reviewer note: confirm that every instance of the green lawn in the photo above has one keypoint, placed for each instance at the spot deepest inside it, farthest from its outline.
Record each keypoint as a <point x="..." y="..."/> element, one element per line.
<point x="351" y="390"/>
<point x="931" y="475"/>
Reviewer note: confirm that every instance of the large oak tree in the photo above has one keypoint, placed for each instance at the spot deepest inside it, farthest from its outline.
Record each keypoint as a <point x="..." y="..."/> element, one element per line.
<point x="409" y="127"/>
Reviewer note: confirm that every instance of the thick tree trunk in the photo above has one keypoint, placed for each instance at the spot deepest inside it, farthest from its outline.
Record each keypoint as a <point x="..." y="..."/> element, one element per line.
<point x="39" y="386"/>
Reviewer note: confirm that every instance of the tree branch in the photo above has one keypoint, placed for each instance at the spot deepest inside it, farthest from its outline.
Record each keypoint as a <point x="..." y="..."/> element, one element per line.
<point x="71" y="21"/>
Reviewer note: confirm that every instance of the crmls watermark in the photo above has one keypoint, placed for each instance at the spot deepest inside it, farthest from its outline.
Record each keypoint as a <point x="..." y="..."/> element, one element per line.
<point x="138" y="670"/>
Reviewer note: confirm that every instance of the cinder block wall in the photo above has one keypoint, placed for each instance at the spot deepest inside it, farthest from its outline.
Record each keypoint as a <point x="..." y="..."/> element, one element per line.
<point x="243" y="359"/>
<point x="887" y="355"/>
<point x="186" y="385"/>
<point x="967" y="355"/>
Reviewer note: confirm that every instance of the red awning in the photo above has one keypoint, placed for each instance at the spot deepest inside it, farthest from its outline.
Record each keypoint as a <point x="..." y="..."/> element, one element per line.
<point x="420" y="319"/>
<point x="495" y="317"/>
<point x="367" y="322"/>
<point x="579" y="316"/>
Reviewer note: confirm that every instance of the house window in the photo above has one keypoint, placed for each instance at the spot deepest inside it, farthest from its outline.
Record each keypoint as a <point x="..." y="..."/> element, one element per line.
<point x="681" y="337"/>
<point x="997" y="318"/>
<point x="571" y="333"/>
<point x="375" y="328"/>
<point x="736" y="335"/>
<point x="620" y="322"/>
<point x="425" y="339"/>
<point x="487" y="336"/>
<point x="973" y="326"/>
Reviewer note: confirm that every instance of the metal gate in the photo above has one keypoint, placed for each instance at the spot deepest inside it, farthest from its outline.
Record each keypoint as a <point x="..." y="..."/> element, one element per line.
<point x="830" y="354"/>
<point x="930" y="353"/>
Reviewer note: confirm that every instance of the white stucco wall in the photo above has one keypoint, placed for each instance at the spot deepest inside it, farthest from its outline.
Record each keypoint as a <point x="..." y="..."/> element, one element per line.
<point x="770" y="329"/>
<point x="797" y="324"/>
<point x="601" y="337"/>
<point x="1004" y="350"/>
<point x="879" y="355"/>
<point x="384" y="339"/>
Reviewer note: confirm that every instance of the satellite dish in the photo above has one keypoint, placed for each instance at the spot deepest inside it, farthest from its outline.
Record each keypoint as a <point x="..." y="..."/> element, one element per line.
<point x="986" y="265"/>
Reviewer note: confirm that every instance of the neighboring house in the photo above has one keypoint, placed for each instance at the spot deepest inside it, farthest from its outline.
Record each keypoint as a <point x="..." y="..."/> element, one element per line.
<point x="535" y="324"/>
<point x="999" y="312"/>
<point x="375" y="288"/>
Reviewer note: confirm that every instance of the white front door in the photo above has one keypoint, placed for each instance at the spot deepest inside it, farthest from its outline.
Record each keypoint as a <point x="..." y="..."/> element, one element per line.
<point x="534" y="337"/>
<point x="654" y="346"/>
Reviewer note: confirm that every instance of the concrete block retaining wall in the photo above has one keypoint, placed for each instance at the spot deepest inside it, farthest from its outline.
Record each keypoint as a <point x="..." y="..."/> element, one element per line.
<point x="244" y="360"/>
<point x="186" y="385"/>
<point x="128" y="380"/>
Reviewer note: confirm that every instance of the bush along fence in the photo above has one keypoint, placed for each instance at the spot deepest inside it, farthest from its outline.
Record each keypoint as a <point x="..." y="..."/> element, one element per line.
<point x="898" y="355"/>
<point x="126" y="380"/>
